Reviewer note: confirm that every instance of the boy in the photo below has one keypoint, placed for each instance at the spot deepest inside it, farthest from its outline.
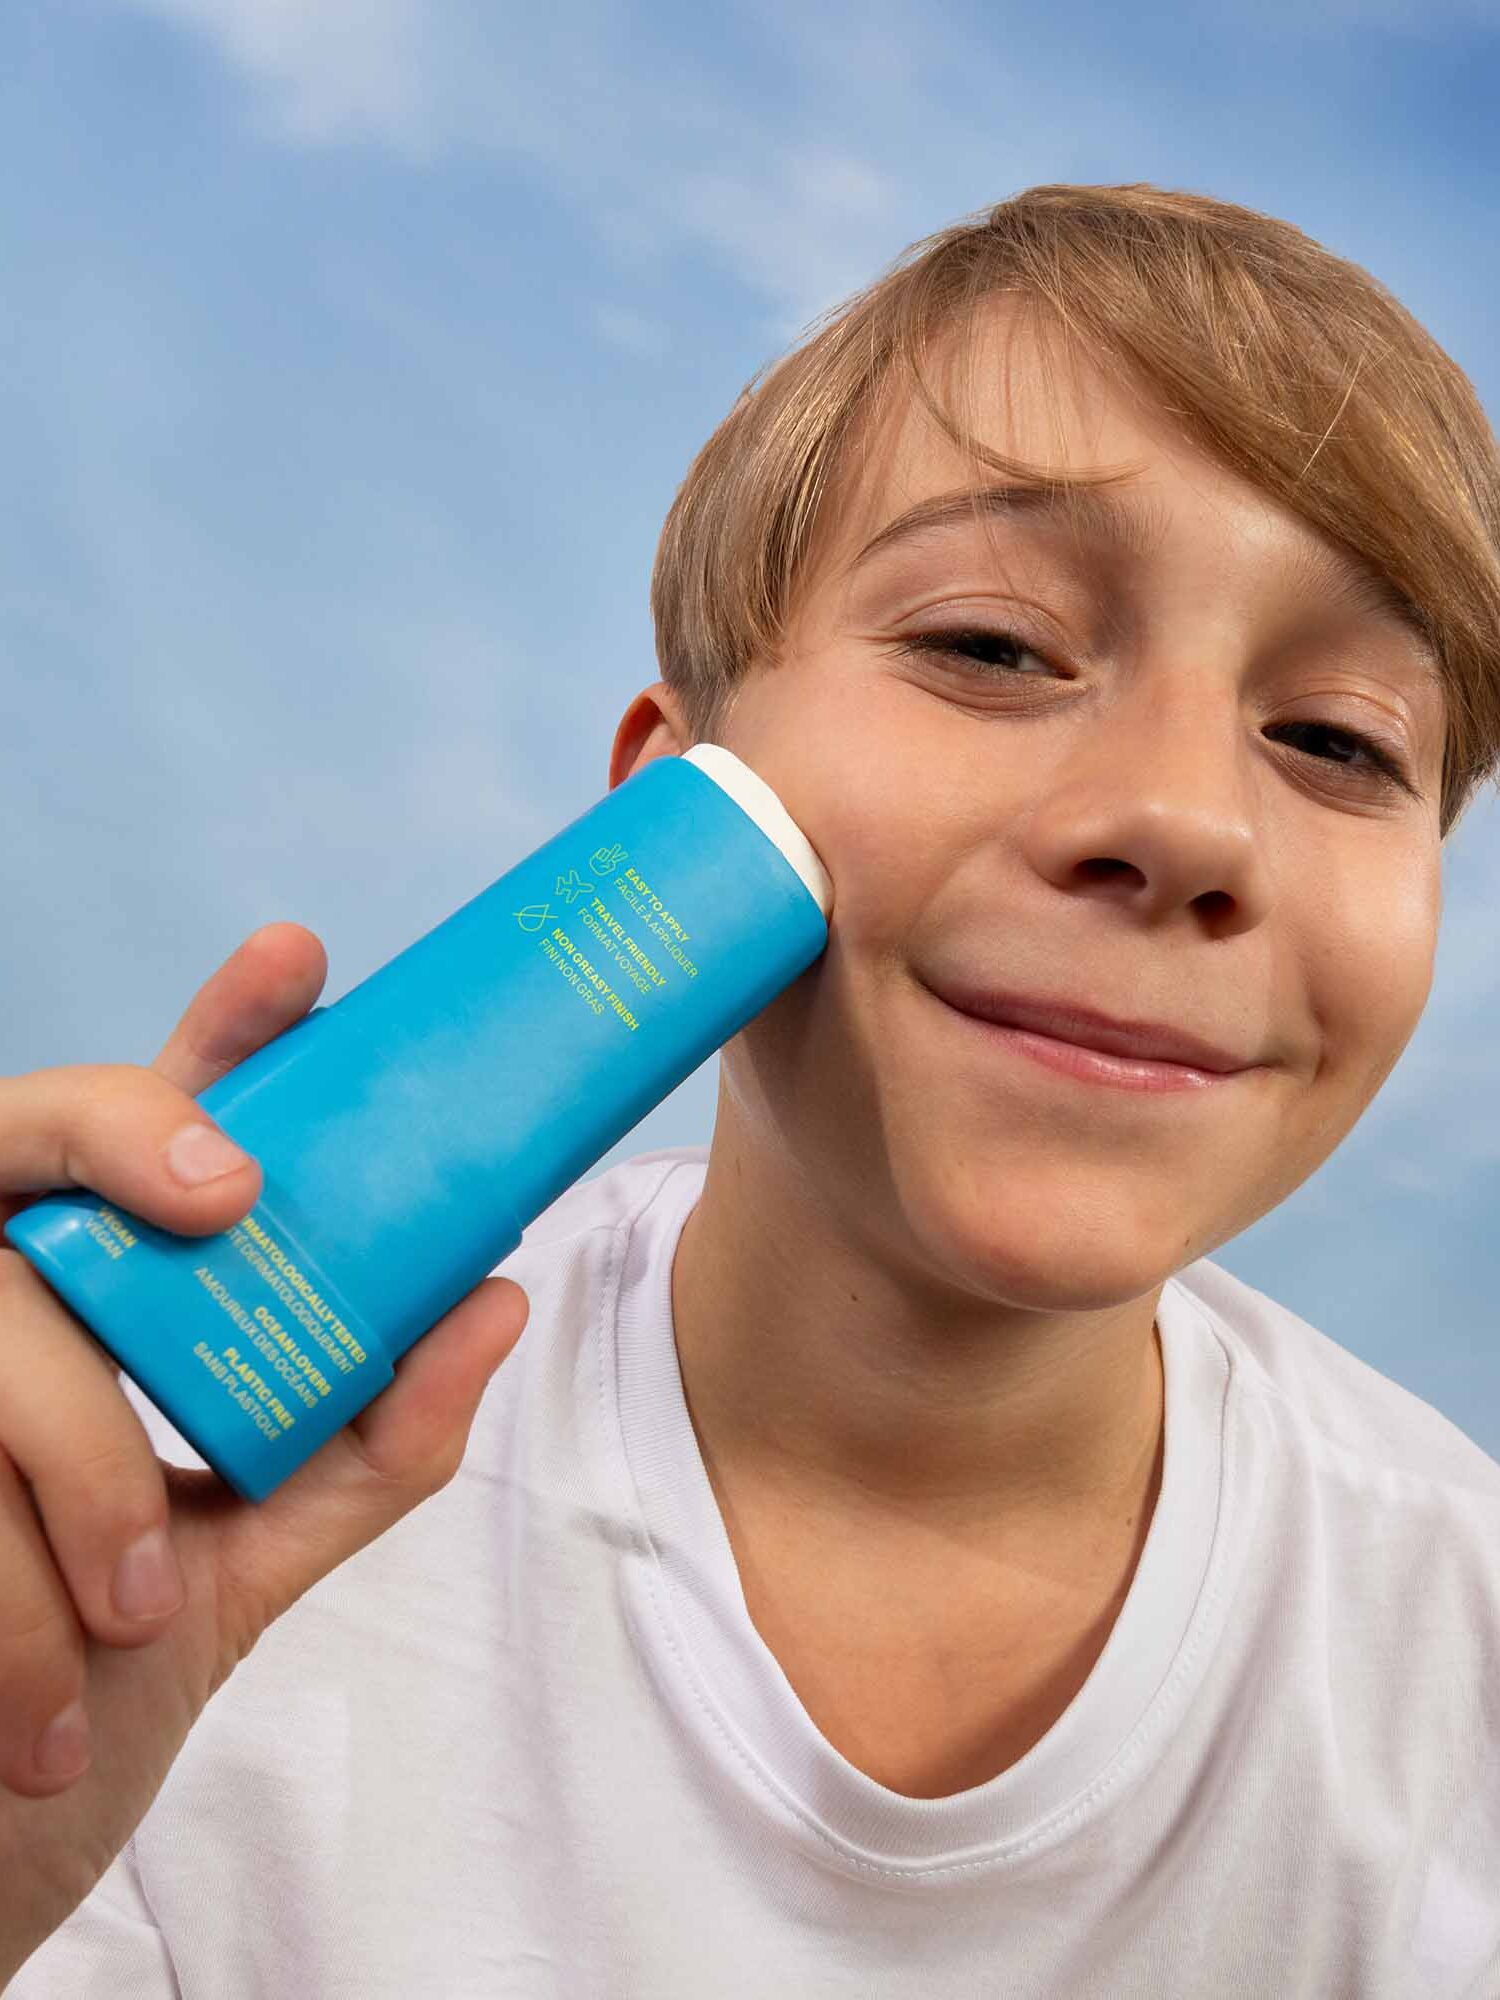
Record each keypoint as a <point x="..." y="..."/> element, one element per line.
<point x="896" y="1561"/>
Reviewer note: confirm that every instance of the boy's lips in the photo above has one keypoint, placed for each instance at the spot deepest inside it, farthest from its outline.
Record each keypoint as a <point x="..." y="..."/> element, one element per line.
<point x="1066" y="1020"/>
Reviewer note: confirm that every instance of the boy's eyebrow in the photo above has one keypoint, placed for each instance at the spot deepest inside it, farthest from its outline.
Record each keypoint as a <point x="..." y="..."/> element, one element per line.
<point x="1134" y="525"/>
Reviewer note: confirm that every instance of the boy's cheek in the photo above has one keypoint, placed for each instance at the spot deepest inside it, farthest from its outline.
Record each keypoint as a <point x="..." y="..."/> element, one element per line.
<point x="878" y="863"/>
<point x="858" y="783"/>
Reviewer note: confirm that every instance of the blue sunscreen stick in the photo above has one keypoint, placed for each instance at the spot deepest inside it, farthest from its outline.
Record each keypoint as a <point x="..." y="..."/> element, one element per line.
<point x="408" y="1133"/>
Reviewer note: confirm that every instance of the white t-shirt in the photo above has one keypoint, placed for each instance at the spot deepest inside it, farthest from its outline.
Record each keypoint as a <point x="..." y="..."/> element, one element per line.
<point x="529" y="1746"/>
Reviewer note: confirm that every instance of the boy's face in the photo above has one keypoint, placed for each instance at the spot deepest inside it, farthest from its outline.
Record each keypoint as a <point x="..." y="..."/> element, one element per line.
<point x="1134" y="815"/>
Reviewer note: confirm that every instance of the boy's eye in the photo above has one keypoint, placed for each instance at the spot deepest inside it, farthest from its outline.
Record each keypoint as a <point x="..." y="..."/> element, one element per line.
<point x="999" y="649"/>
<point x="1378" y="762"/>
<point x="1000" y="653"/>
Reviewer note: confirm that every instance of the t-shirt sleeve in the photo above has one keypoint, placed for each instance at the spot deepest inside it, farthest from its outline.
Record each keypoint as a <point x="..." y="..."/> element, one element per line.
<point x="109" y="1949"/>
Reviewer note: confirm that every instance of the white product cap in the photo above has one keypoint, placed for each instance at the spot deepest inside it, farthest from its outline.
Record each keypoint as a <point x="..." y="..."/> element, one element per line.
<point x="733" y="775"/>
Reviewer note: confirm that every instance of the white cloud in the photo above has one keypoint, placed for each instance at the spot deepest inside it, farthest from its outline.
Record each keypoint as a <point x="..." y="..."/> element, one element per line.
<point x="660" y="163"/>
<point x="806" y="228"/>
<point x="337" y="70"/>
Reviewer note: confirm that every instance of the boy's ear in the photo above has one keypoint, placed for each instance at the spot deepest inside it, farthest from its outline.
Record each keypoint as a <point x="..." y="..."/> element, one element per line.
<point x="652" y="726"/>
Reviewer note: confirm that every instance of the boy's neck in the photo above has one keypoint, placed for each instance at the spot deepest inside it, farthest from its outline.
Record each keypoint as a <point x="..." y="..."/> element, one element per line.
<point x="810" y="1373"/>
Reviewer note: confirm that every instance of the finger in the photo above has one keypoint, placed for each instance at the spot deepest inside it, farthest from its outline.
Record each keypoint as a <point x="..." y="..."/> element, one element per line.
<point x="416" y="1432"/>
<point x="268" y="982"/>
<point x="130" y="1136"/>
<point x="401" y="1449"/>
<point x="42" y="1659"/>
<point x="95" y="1480"/>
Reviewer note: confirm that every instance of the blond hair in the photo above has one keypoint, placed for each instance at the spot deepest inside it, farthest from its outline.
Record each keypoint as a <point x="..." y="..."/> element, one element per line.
<point x="1291" y="366"/>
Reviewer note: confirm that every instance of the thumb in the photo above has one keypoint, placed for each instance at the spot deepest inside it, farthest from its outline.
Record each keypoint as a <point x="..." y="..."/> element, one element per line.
<point x="401" y="1448"/>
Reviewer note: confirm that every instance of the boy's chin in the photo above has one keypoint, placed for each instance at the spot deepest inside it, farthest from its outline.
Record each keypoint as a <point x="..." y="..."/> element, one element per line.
<point x="1061" y="1254"/>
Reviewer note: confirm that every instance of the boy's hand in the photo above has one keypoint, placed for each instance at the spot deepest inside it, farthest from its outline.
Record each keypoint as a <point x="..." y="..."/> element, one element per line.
<point x="86" y="1580"/>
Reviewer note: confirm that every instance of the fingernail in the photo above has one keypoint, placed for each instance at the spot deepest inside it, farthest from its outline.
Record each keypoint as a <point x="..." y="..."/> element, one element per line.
<point x="148" y="1582"/>
<point x="201" y="1153"/>
<point x="62" y="1749"/>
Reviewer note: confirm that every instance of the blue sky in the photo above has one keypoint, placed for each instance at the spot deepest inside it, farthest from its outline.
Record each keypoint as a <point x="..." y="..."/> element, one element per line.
<point x="355" y="352"/>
